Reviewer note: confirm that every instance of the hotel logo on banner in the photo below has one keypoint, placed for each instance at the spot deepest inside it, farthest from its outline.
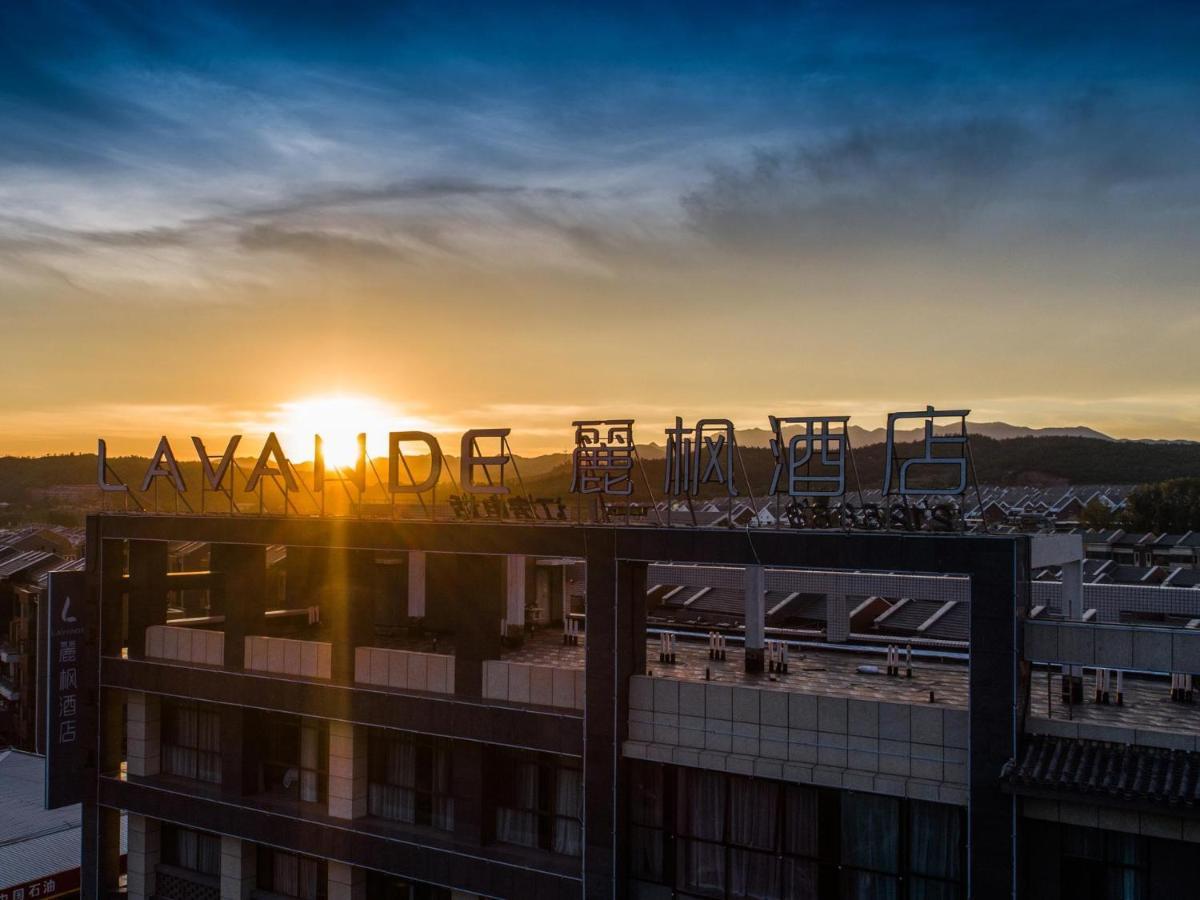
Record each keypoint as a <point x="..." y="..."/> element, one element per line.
<point x="703" y="463"/>
<point x="64" y="688"/>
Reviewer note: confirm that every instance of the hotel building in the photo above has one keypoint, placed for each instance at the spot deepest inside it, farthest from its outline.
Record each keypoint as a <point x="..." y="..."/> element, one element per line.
<point x="436" y="710"/>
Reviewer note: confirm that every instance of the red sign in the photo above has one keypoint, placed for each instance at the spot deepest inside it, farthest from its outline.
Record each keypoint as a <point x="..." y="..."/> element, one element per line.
<point x="43" y="888"/>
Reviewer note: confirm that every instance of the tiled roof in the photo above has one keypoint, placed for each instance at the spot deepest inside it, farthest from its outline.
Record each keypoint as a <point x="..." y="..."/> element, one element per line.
<point x="24" y="562"/>
<point x="1118" y="771"/>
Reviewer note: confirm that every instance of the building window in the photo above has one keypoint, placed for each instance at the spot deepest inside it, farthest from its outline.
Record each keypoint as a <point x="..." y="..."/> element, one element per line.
<point x="191" y="742"/>
<point x="410" y="780"/>
<point x="390" y="887"/>
<point x="539" y="801"/>
<point x="1103" y="864"/>
<point x="190" y="865"/>
<point x="294" y="760"/>
<point x="870" y="847"/>
<point x="290" y="875"/>
<point x="699" y="833"/>
<point x="196" y="851"/>
<point x="935" y="858"/>
<point x="745" y="837"/>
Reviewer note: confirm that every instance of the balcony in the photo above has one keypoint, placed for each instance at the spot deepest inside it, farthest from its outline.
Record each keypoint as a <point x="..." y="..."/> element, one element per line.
<point x="287" y="656"/>
<point x="194" y="646"/>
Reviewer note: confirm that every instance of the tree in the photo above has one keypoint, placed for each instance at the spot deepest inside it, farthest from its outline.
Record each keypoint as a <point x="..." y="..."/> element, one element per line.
<point x="1096" y="515"/>
<point x="1165" y="506"/>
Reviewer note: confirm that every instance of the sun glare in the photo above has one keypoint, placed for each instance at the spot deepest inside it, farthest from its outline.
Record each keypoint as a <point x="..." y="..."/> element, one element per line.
<point x="338" y="419"/>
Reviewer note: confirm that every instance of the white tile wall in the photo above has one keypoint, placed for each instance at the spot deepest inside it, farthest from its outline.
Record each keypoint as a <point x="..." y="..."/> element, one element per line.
<point x="189" y="645"/>
<point x="404" y="669"/>
<point x="914" y="750"/>
<point x="525" y="683"/>
<point x="284" y="656"/>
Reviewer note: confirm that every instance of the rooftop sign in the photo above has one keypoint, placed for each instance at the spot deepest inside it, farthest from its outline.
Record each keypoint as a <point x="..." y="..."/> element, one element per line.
<point x="812" y="459"/>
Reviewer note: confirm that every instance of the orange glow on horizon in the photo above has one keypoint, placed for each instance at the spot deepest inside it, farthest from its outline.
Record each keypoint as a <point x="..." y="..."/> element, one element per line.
<point x="338" y="419"/>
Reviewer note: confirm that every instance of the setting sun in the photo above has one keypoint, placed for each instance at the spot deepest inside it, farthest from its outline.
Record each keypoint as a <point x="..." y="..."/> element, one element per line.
<point x="338" y="419"/>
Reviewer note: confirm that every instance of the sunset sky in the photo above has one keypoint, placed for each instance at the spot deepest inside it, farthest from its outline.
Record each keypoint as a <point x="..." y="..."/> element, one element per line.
<point x="489" y="216"/>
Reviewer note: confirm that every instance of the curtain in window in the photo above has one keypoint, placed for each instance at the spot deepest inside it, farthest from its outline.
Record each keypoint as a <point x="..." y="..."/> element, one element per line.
<point x="800" y="821"/>
<point x="285" y="874"/>
<point x="800" y="879"/>
<point x="312" y="880"/>
<point x="704" y="863"/>
<point x="443" y="800"/>
<point x="208" y="743"/>
<point x="753" y="820"/>
<point x="310" y="757"/>
<point x="518" y="824"/>
<point x="178" y="746"/>
<point x="568" y="807"/>
<point x="866" y="886"/>
<point x="208" y="854"/>
<point x="935" y="840"/>
<point x="870" y="832"/>
<point x="396" y="798"/>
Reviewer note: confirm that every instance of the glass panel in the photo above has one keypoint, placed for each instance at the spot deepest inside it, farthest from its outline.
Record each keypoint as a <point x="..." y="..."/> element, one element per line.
<point x="517" y="823"/>
<point x="870" y="832"/>
<point x="1125" y="849"/>
<point x="935" y="839"/>
<point x="800" y="879"/>
<point x="1124" y="884"/>
<point x="867" y="886"/>
<point x="647" y="795"/>
<point x="926" y="889"/>
<point x="754" y="875"/>
<point x="800" y="821"/>
<point x="753" y="813"/>
<point x="705" y="805"/>
<point x="703" y="868"/>
<point x="568" y="799"/>
<point x="1083" y="843"/>
<point x="646" y="845"/>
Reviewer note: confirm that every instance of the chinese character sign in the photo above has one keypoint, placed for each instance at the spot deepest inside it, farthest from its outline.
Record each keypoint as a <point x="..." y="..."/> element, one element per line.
<point x="602" y="461"/>
<point x="65" y="680"/>
<point x="943" y="458"/>
<point x="699" y="456"/>
<point x="813" y="462"/>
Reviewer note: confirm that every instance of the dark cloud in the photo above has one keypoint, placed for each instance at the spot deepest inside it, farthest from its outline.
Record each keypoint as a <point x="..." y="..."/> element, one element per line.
<point x="317" y="245"/>
<point x="904" y="183"/>
<point x="1096" y="164"/>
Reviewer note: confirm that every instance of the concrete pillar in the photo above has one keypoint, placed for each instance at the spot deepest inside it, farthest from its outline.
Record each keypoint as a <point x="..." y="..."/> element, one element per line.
<point x="143" y="728"/>
<point x="1072" y="607"/>
<point x="143" y="853"/>
<point x="467" y="593"/>
<point x="346" y="882"/>
<point x="347" y="772"/>
<point x="416" y="584"/>
<point x="514" y="600"/>
<point x="837" y="619"/>
<point x="100" y="860"/>
<point x="147" y="592"/>
<point x="238" y="869"/>
<point x="236" y="773"/>
<point x="466" y="766"/>
<point x="756" y="617"/>
<point x="239" y="594"/>
<point x="614" y="650"/>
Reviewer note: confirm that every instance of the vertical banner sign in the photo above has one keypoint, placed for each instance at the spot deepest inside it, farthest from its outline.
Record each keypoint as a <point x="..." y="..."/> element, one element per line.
<point x="66" y="754"/>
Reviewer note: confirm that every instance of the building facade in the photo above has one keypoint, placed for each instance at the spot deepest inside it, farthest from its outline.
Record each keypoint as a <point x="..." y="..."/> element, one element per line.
<point x="462" y="709"/>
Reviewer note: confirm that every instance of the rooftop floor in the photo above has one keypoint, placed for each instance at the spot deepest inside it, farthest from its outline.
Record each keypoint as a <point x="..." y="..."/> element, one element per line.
<point x="1147" y="704"/>
<point x="814" y="671"/>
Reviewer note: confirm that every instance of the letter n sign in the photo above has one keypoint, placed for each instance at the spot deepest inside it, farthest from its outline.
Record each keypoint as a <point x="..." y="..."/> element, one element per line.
<point x="68" y="682"/>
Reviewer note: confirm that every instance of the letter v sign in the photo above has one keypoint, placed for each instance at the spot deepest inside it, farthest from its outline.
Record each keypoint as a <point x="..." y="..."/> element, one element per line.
<point x="216" y="477"/>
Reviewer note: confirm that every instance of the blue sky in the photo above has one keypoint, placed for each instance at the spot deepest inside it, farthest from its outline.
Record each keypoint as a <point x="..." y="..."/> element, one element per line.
<point x="493" y="212"/>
